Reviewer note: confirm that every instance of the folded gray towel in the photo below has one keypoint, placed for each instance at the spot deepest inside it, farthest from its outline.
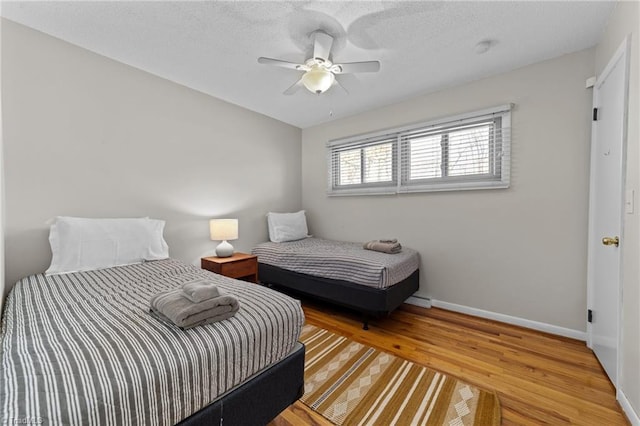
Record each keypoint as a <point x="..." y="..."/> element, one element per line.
<point x="377" y="245"/>
<point x="391" y="241"/>
<point x="216" y="318"/>
<point x="185" y="314"/>
<point x="200" y="290"/>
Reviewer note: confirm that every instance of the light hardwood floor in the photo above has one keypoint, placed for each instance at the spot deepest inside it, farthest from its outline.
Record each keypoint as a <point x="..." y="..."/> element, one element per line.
<point x="539" y="378"/>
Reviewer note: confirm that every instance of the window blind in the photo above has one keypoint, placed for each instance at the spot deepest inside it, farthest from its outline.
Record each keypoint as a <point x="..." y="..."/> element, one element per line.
<point x="473" y="149"/>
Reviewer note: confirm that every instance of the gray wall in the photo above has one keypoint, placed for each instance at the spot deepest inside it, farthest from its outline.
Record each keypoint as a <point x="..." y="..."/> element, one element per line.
<point x="625" y="20"/>
<point x="519" y="251"/>
<point x="88" y="136"/>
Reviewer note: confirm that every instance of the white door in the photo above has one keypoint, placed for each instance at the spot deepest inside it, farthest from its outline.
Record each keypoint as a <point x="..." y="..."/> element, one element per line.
<point x="606" y="210"/>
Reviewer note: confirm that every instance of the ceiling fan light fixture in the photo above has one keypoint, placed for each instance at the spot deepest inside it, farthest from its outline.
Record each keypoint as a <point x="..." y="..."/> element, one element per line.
<point x="318" y="80"/>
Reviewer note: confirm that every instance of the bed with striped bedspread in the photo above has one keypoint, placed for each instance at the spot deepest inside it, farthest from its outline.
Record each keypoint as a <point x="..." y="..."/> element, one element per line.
<point x="81" y="348"/>
<point x="340" y="260"/>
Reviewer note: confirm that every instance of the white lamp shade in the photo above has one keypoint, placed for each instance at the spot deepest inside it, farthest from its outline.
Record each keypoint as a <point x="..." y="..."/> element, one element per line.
<point x="223" y="229"/>
<point x="318" y="80"/>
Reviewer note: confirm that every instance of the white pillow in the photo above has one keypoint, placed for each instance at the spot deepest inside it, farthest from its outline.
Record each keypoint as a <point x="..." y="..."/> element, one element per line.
<point x="80" y="244"/>
<point x="287" y="226"/>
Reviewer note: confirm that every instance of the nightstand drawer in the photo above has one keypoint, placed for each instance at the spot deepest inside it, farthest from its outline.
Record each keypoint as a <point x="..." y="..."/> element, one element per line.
<point x="239" y="265"/>
<point x="240" y="268"/>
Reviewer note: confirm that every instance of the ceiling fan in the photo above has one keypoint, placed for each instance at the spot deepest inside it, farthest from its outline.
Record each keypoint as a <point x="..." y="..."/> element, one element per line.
<point x="319" y="72"/>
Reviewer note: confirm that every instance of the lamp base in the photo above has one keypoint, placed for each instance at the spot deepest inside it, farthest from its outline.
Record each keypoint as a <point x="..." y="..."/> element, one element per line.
<point x="224" y="249"/>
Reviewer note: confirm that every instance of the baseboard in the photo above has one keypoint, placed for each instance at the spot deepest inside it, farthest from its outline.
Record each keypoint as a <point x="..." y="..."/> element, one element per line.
<point x="419" y="301"/>
<point x="633" y="417"/>
<point x="522" y="322"/>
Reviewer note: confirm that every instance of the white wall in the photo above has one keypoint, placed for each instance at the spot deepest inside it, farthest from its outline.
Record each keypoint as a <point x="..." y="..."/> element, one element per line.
<point x="625" y="20"/>
<point x="519" y="251"/>
<point x="2" y="285"/>
<point x="88" y="136"/>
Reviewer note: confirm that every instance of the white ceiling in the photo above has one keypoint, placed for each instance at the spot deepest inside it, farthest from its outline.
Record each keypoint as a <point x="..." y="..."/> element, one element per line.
<point x="213" y="46"/>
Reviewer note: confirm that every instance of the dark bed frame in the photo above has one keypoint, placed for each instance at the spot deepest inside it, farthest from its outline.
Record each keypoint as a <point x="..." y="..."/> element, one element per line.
<point x="370" y="301"/>
<point x="259" y="399"/>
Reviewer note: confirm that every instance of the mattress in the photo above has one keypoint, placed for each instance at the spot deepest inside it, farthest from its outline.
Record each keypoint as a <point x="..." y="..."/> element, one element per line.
<point x="82" y="349"/>
<point x="340" y="260"/>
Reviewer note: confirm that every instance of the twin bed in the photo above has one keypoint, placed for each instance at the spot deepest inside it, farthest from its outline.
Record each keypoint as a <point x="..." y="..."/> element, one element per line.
<point x="343" y="273"/>
<point x="82" y="349"/>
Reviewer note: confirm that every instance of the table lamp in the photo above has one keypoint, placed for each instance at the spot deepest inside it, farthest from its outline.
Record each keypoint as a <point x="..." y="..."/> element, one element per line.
<point x="223" y="230"/>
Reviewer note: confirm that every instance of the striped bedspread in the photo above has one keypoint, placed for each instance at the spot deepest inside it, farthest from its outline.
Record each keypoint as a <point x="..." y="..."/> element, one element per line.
<point x="81" y="348"/>
<point x="340" y="260"/>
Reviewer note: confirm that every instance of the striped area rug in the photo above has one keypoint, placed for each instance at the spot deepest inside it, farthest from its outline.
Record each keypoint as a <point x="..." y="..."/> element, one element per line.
<point x="352" y="384"/>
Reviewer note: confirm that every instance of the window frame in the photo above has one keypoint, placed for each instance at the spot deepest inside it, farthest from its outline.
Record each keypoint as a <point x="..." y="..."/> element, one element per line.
<point x="401" y="183"/>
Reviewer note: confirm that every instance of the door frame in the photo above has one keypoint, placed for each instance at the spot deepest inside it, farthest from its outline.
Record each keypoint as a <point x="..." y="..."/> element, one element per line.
<point x="621" y="54"/>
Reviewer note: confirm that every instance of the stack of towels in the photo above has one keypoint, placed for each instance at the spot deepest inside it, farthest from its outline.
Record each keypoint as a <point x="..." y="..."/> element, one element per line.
<point x="384" y="246"/>
<point x="195" y="303"/>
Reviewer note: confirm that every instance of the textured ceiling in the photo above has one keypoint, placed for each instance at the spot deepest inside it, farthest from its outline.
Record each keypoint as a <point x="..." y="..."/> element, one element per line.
<point x="422" y="46"/>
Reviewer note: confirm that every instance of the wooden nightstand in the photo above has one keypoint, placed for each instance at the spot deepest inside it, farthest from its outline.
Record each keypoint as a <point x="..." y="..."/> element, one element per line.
<point x="240" y="265"/>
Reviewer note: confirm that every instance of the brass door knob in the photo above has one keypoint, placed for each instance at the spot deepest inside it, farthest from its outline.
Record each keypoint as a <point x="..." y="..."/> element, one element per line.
<point x="611" y="241"/>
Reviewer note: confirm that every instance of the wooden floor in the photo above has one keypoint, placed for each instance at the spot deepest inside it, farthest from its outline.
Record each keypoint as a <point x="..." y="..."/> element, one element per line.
<point x="539" y="378"/>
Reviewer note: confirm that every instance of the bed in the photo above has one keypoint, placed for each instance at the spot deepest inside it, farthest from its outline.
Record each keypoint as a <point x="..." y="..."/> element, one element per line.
<point x="82" y="349"/>
<point x="343" y="273"/>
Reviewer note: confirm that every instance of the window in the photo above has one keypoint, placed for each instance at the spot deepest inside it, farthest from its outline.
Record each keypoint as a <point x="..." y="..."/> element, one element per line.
<point x="470" y="151"/>
<point x="365" y="164"/>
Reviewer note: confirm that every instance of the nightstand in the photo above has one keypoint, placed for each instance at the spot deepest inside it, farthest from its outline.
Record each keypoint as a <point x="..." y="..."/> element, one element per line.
<point x="239" y="265"/>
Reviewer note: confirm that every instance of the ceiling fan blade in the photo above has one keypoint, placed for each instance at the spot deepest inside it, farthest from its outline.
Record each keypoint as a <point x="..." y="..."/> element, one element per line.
<point x="282" y="64"/>
<point x="293" y="88"/>
<point x="336" y="82"/>
<point x="354" y="67"/>
<point x="322" y="46"/>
